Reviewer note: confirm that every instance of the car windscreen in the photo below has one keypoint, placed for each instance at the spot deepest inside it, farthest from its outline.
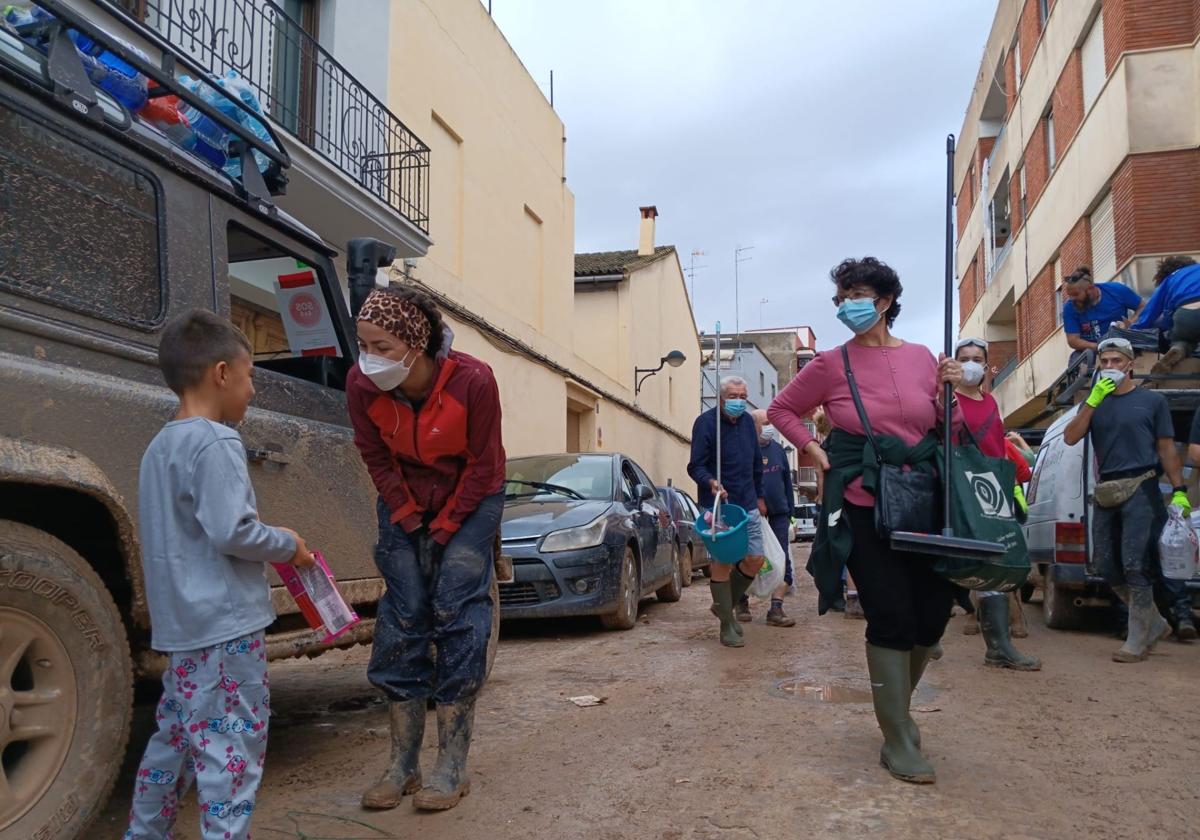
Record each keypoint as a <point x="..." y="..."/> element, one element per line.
<point x="560" y="476"/>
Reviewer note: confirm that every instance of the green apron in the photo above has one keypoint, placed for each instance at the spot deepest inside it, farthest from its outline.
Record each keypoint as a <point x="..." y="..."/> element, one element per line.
<point x="851" y="456"/>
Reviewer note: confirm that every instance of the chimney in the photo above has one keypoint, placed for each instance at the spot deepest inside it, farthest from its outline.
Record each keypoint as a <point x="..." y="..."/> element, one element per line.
<point x="646" y="240"/>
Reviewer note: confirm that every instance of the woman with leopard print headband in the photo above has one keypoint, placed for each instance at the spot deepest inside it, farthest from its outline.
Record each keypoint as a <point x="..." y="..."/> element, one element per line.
<point x="427" y="425"/>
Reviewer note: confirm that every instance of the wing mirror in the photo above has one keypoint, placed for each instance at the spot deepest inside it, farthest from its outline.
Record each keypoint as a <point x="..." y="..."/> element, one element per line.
<point x="644" y="493"/>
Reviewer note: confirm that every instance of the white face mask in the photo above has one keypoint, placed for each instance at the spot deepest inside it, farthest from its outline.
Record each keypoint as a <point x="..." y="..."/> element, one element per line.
<point x="768" y="433"/>
<point x="1117" y="376"/>
<point x="386" y="374"/>
<point x="972" y="373"/>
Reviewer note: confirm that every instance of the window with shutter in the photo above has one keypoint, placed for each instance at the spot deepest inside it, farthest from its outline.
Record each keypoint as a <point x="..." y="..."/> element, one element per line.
<point x="1104" y="242"/>
<point x="1092" y="59"/>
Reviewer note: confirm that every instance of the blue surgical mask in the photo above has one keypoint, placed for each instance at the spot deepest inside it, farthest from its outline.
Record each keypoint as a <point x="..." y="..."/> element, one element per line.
<point x="858" y="315"/>
<point x="735" y="408"/>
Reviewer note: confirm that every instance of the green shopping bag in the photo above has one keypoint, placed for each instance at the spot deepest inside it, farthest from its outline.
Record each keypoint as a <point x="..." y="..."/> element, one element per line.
<point x="984" y="509"/>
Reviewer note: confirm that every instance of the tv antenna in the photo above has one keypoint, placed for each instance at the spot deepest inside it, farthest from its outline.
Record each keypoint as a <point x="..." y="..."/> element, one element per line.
<point x="737" y="303"/>
<point x="691" y="272"/>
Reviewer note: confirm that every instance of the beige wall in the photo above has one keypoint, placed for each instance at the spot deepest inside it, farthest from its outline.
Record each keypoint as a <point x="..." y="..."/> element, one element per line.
<point x="503" y="226"/>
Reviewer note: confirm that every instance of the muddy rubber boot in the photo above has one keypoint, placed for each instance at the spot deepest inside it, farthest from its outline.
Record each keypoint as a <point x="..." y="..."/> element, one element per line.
<point x="853" y="606"/>
<point x="742" y="612"/>
<point x="993" y="624"/>
<point x="778" y="618"/>
<point x="403" y="775"/>
<point x="1144" y="629"/>
<point x="1186" y="629"/>
<point x="449" y="781"/>
<point x="971" y="624"/>
<point x="891" y="692"/>
<point x="1179" y="351"/>
<point x="722" y="608"/>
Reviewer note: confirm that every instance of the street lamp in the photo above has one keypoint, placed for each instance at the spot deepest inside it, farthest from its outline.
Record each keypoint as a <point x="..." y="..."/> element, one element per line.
<point x="675" y="358"/>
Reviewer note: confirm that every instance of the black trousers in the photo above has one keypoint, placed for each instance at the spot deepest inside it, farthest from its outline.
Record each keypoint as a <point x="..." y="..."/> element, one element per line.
<point x="906" y="603"/>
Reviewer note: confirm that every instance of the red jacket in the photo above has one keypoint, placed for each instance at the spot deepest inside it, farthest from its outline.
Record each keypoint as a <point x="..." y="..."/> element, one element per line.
<point x="444" y="458"/>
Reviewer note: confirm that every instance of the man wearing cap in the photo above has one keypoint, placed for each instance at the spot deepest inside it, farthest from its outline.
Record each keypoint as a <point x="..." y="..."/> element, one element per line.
<point x="1134" y="441"/>
<point x="741" y="484"/>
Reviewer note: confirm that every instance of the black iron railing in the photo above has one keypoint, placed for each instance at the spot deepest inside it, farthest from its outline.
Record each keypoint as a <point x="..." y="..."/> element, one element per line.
<point x="302" y="88"/>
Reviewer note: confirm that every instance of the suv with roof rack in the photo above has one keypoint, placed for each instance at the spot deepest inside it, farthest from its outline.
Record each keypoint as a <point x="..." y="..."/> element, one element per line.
<point x="107" y="229"/>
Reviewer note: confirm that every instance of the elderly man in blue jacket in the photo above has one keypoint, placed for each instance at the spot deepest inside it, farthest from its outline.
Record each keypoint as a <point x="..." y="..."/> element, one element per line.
<point x="741" y="484"/>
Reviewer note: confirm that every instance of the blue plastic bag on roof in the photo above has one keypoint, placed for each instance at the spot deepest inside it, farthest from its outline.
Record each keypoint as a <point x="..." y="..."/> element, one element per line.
<point x="211" y="140"/>
<point x="106" y="71"/>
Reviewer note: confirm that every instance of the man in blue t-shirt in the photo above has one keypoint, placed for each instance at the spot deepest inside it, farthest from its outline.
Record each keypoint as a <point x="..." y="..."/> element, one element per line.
<point x="1091" y="308"/>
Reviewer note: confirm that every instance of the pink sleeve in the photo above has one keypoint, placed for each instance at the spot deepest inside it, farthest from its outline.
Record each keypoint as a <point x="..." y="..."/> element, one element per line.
<point x="798" y="399"/>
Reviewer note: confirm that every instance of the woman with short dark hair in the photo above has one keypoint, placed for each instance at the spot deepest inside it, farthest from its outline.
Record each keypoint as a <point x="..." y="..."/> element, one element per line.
<point x="906" y="603"/>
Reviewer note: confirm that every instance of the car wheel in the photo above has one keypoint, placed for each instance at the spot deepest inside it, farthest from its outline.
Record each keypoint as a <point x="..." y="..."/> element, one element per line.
<point x="672" y="590"/>
<point x="494" y="636"/>
<point x="1058" y="608"/>
<point x="625" y="615"/>
<point x="685" y="566"/>
<point x="66" y="687"/>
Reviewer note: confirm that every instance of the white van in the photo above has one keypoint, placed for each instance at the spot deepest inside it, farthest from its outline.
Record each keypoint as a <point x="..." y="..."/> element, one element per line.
<point x="1058" y="529"/>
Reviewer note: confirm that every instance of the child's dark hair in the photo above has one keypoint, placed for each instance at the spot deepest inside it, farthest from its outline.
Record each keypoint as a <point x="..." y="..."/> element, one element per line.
<point x="194" y="341"/>
<point x="878" y="275"/>
<point x="423" y="302"/>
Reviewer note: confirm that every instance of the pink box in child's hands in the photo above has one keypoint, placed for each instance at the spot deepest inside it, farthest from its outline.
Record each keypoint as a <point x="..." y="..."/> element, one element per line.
<point x="317" y="595"/>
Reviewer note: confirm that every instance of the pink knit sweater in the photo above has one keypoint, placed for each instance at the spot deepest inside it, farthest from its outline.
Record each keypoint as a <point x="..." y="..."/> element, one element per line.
<point x="898" y="386"/>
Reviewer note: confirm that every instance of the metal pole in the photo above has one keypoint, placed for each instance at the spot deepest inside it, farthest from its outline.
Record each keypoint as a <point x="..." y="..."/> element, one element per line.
<point x="717" y="370"/>
<point x="948" y="391"/>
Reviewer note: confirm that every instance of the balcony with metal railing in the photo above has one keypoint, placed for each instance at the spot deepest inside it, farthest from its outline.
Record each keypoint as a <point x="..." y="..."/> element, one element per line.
<point x="309" y="94"/>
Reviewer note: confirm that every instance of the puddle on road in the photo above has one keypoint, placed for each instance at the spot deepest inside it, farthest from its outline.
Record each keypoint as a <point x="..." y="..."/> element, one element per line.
<point x="822" y="692"/>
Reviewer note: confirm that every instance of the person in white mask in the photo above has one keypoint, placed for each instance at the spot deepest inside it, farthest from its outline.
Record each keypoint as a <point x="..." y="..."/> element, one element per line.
<point x="427" y="425"/>
<point x="1133" y="437"/>
<point x="984" y="427"/>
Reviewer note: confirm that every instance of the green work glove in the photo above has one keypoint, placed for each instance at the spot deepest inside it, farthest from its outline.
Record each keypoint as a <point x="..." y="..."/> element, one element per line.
<point x="1180" y="498"/>
<point x="1100" y="390"/>
<point x="1019" y="495"/>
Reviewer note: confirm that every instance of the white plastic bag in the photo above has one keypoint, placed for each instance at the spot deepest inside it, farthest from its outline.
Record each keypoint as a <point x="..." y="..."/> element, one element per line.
<point x="770" y="576"/>
<point x="1177" y="546"/>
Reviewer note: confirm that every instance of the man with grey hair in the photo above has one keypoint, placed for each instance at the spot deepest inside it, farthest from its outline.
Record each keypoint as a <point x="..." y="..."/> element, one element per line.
<point x="740" y="484"/>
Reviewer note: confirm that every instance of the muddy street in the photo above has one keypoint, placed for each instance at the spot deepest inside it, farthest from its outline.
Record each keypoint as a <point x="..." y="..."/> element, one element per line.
<point x="776" y="740"/>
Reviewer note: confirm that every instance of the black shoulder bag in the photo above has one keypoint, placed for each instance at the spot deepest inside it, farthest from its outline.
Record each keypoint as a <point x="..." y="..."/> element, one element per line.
<point x="904" y="501"/>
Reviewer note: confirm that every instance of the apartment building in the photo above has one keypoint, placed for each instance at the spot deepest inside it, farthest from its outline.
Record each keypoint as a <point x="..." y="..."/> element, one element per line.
<point x="1080" y="146"/>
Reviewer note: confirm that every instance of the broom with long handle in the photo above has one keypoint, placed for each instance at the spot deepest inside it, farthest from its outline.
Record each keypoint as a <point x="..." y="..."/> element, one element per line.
<point x="946" y="543"/>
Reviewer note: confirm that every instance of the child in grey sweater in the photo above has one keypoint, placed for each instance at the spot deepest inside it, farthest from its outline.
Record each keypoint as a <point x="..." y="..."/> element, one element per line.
<point x="204" y="552"/>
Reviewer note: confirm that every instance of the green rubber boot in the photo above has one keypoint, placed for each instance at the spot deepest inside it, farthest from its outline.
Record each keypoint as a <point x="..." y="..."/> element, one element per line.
<point x="921" y="657"/>
<point x="993" y="624"/>
<point x="723" y="608"/>
<point x="891" y="691"/>
<point x="449" y="781"/>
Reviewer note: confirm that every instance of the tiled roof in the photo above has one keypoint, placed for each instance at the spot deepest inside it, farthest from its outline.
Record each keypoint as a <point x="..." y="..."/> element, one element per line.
<point x="617" y="262"/>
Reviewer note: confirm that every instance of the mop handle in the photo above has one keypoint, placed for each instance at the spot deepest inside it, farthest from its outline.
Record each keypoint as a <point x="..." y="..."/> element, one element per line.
<point x="948" y="389"/>
<point x="717" y="369"/>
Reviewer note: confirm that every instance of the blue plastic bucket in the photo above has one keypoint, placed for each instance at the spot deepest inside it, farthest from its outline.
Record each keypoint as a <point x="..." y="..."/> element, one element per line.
<point x="731" y="545"/>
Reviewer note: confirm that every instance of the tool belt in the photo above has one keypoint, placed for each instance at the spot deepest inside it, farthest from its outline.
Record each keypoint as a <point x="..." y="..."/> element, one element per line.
<point x="1117" y="491"/>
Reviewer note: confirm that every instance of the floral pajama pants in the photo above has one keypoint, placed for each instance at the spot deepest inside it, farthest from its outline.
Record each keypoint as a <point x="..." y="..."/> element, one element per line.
<point x="212" y="729"/>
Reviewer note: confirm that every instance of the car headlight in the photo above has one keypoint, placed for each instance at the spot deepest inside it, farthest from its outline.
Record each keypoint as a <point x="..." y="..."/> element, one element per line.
<point x="572" y="539"/>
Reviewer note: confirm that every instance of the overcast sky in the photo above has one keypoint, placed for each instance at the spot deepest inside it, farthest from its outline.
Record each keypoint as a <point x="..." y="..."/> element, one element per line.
<point x="809" y="130"/>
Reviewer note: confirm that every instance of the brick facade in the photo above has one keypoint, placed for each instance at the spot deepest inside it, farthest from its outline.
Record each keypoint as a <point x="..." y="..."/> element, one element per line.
<point x="1067" y="102"/>
<point x="964" y="202"/>
<point x="1036" y="318"/>
<point x="1147" y="24"/>
<point x="999" y="353"/>
<point x="1029" y="30"/>
<point x="1156" y="204"/>
<point x="971" y="287"/>
<point x="1076" y="249"/>
<point x="1037" y="165"/>
<point x="1010" y="84"/>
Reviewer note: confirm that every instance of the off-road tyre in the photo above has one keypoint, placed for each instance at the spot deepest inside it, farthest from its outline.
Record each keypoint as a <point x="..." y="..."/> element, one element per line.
<point x="63" y="651"/>
<point x="629" y="595"/>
